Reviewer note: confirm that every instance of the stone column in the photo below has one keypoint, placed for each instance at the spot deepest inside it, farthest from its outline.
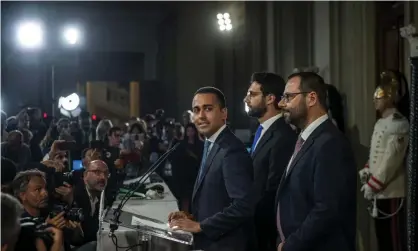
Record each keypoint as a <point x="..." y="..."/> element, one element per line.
<point x="410" y="34"/>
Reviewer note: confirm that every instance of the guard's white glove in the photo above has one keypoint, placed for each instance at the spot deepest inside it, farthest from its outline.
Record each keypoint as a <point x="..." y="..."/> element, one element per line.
<point x="368" y="192"/>
<point x="364" y="175"/>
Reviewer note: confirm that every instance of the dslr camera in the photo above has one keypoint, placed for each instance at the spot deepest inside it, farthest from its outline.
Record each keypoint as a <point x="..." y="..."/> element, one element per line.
<point x="36" y="227"/>
<point x="61" y="178"/>
<point x="70" y="213"/>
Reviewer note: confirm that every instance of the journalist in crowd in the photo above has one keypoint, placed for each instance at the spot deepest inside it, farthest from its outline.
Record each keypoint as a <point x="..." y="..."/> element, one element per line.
<point x="30" y="189"/>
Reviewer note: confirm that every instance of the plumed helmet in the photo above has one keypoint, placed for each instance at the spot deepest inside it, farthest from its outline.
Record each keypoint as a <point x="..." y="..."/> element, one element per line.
<point x="389" y="87"/>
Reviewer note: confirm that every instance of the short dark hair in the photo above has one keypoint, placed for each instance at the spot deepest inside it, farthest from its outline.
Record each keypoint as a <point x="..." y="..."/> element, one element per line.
<point x="113" y="130"/>
<point x="215" y="91"/>
<point x="312" y="82"/>
<point x="11" y="210"/>
<point x="271" y="83"/>
<point x="22" y="179"/>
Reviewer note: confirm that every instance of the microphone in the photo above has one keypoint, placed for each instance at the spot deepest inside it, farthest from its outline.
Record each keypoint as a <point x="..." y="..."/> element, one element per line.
<point x="115" y="221"/>
<point x="150" y="170"/>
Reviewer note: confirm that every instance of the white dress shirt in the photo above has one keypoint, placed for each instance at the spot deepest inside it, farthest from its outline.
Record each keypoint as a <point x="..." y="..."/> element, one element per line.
<point x="213" y="138"/>
<point x="266" y="125"/>
<point x="307" y="132"/>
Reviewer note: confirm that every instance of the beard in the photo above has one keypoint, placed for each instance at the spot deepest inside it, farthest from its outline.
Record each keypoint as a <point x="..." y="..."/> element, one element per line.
<point x="257" y="112"/>
<point x="296" y="116"/>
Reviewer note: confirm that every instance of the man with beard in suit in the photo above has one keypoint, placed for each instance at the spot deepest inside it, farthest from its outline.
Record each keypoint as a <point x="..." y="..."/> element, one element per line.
<point x="316" y="198"/>
<point x="271" y="151"/>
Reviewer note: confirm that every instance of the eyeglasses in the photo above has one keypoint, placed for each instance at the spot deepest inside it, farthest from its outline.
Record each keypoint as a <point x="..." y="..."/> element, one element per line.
<point x="99" y="173"/>
<point x="287" y="97"/>
<point x="253" y="94"/>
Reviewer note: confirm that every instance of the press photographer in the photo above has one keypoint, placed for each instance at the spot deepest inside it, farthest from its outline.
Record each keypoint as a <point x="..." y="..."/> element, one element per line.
<point x="30" y="188"/>
<point x="59" y="150"/>
<point x="55" y="132"/>
<point x="135" y="149"/>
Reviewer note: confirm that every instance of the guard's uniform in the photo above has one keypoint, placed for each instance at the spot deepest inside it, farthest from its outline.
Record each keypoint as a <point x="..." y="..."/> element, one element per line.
<point x="387" y="179"/>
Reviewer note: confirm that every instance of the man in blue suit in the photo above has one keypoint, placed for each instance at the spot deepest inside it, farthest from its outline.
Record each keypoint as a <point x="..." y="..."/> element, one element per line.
<point x="222" y="202"/>
<point x="316" y="198"/>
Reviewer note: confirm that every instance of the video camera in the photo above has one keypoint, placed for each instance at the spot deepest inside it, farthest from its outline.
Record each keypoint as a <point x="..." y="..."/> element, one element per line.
<point x="61" y="178"/>
<point x="57" y="179"/>
<point x="72" y="214"/>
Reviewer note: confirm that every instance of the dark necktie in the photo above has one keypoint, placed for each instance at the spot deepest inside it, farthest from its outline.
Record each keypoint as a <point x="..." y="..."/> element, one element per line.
<point x="205" y="155"/>
<point x="256" y="137"/>
<point x="298" y="146"/>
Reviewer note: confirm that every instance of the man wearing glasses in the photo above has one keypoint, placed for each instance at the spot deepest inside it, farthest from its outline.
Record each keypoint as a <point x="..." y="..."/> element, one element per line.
<point x="271" y="150"/>
<point x="316" y="198"/>
<point x="87" y="197"/>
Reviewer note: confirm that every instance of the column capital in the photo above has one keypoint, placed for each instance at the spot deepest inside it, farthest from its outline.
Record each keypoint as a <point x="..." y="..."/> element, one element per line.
<point x="410" y="33"/>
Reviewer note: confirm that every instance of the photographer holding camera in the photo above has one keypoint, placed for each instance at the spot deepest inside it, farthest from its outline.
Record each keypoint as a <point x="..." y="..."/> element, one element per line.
<point x="30" y="188"/>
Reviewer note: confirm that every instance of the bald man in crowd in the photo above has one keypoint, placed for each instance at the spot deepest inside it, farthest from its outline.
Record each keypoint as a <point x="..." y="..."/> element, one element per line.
<point x="87" y="196"/>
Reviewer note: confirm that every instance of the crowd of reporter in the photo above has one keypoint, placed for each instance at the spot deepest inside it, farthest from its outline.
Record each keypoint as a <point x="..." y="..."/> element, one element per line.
<point x="56" y="201"/>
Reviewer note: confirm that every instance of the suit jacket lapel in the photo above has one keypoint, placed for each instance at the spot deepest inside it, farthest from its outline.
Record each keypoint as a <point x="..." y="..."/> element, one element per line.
<point x="213" y="151"/>
<point x="282" y="181"/>
<point x="299" y="155"/>
<point x="266" y="137"/>
<point x="308" y="143"/>
<point x="296" y="158"/>
<point x="262" y="142"/>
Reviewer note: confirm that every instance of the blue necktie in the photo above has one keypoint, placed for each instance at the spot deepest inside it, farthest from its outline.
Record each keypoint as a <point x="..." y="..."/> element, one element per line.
<point x="205" y="154"/>
<point x="256" y="137"/>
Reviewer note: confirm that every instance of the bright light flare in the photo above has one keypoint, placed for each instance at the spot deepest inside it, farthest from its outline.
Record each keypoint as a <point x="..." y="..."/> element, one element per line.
<point x="70" y="102"/>
<point x="247" y="109"/>
<point x="69" y="106"/>
<point x="224" y="21"/>
<point x="71" y="35"/>
<point x="30" y="35"/>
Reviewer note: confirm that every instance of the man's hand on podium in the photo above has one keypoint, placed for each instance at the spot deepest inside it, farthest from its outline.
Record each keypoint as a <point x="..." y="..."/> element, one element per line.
<point x="179" y="215"/>
<point x="185" y="225"/>
<point x="181" y="220"/>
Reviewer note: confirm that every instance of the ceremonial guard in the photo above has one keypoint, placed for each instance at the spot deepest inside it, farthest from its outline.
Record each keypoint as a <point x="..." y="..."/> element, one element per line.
<point x="384" y="178"/>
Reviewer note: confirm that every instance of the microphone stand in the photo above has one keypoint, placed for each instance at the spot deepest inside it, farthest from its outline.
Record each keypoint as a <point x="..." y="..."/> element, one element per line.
<point x="114" y="224"/>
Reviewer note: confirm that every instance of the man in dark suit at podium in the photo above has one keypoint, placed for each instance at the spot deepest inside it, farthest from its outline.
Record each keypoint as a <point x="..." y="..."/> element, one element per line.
<point x="271" y="151"/>
<point x="316" y="198"/>
<point x="222" y="203"/>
